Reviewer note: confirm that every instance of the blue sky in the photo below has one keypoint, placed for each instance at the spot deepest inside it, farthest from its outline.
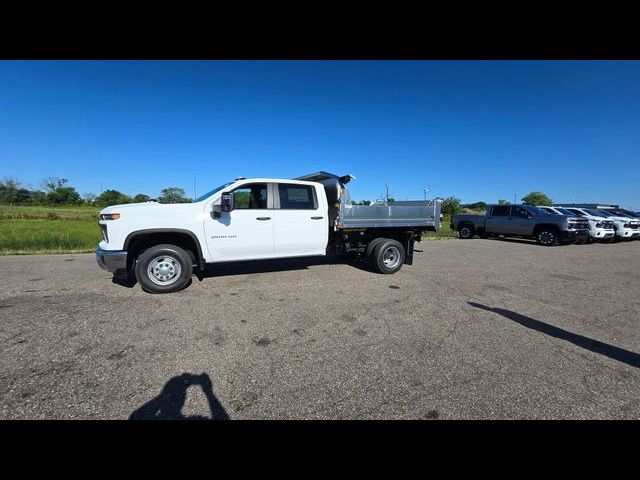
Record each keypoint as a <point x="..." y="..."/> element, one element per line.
<point x="479" y="130"/>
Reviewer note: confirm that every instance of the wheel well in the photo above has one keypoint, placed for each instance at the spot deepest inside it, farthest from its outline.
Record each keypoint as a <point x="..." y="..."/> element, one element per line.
<point x="137" y="243"/>
<point x="541" y="226"/>
<point x="466" y="224"/>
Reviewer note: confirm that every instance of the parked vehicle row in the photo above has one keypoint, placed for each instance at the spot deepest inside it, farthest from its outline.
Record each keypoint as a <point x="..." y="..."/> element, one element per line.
<point x="548" y="225"/>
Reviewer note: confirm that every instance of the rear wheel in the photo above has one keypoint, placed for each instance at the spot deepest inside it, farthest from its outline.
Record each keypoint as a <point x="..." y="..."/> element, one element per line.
<point x="466" y="231"/>
<point x="164" y="269"/>
<point x="388" y="256"/>
<point x="547" y="237"/>
<point x="371" y="247"/>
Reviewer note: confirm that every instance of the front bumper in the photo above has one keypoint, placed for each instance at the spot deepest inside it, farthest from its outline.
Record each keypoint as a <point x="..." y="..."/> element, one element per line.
<point x="111" y="260"/>
<point x="568" y="235"/>
<point x="627" y="233"/>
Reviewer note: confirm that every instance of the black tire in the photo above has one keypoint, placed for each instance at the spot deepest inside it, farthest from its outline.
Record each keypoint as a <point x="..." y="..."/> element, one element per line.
<point x="466" y="231"/>
<point x="372" y="245"/>
<point x="547" y="237"/>
<point x="388" y="256"/>
<point x="175" y="262"/>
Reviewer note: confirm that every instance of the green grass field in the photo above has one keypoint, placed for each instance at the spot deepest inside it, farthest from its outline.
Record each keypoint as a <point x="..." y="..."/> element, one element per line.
<point x="444" y="232"/>
<point x="33" y="229"/>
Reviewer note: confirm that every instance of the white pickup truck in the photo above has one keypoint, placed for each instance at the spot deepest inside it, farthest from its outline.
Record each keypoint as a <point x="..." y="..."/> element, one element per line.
<point x="254" y="219"/>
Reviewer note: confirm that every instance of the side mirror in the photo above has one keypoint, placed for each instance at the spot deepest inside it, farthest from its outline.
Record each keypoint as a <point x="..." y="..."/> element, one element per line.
<point x="226" y="203"/>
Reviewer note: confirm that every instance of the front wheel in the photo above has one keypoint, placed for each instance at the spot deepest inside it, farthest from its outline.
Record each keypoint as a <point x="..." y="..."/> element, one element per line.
<point x="547" y="237"/>
<point x="164" y="269"/>
<point x="388" y="256"/>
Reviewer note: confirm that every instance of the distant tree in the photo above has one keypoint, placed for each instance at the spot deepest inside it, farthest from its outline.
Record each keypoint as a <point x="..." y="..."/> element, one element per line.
<point x="140" y="198"/>
<point x="112" y="197"/>
<point x="59" y="193"/>
<point x="362" y="202"/>
<point x="173" y="195"/>
<point x="9" y="188"/>
<point x="537" y="198"/>
<point x="451" y="206"/>
<point x="502" y="201"/>
<point x="89" y="198"/>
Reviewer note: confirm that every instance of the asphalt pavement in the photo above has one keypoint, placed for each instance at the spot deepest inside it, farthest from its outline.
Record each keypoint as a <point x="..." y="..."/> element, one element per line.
<point x="475" y="329"/>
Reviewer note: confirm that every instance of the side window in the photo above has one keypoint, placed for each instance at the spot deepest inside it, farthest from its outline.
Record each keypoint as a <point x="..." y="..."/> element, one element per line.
<point x="253" y="196"/>
<point x="518" y="212"/>
<point x="500" y="211"/>
<point x="577" y="212"/>
<point x="297" y="197"/>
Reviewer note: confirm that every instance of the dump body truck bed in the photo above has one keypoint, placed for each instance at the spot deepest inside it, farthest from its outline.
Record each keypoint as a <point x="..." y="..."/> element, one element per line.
<point x="422" y="214"/>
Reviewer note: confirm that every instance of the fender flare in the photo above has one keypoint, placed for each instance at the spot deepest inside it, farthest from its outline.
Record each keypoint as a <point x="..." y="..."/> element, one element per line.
<point x="131" y="236"/>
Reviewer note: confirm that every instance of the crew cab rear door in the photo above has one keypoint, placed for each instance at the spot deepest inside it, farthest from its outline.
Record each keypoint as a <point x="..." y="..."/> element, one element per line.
<point x="497" y="219"/>
<point x="300" y="225"/>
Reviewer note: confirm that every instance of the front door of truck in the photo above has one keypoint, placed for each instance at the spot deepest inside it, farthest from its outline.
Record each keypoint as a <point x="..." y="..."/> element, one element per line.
<point x="301" y="226"/>
<point x="496" y="219"/>
<point x="246" y="232"/>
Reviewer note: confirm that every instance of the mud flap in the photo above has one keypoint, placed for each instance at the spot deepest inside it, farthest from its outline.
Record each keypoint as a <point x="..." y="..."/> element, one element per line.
<point x="408" y="249"/>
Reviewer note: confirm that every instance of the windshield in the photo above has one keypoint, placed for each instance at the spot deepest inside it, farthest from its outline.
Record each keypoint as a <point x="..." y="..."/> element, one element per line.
<point x="564" y="211"/>
<point x="548" y="210"/>
<point x="215" y="190"/>
<point x="602" y="213"/>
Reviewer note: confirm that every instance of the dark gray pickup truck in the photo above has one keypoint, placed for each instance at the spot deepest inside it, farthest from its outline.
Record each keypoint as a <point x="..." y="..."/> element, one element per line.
<point x="524" y="221"/>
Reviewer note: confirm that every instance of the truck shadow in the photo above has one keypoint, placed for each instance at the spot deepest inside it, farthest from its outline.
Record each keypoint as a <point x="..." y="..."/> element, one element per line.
<point x="256" y="266"/>
<point x="278" y="265"/>
<point x="595" y="346"/>
<point x="168" y="405"/>
<point x="523" y="241"/>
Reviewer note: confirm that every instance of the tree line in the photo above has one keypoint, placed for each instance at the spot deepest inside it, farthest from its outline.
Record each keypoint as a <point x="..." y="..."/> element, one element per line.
<point x="453" y="205"/>
<point x="57" y="191"/>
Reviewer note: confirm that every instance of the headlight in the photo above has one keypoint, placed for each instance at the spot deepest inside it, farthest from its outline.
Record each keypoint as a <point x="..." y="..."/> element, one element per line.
<point x="626" y="225"/>
<point x="598" y="225"/>
<point x="109" y="216"/>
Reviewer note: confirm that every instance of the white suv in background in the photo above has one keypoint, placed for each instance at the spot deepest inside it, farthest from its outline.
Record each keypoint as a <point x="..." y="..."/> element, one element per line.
<point x="626" y="227"/>
<point x="600" y="228"/>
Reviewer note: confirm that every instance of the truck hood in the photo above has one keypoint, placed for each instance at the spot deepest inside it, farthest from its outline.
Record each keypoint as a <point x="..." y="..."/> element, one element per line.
<point x="151" y="206"/>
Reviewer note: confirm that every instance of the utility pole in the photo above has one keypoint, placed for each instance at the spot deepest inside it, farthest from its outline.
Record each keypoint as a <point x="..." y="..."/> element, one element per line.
<point x="195" y="192"/>
<point x="425" y="193"/>
<point x="514" y="197"/>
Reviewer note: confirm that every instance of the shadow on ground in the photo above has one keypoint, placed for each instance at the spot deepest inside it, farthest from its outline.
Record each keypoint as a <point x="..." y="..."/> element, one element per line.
<point x="595" y="346"/>
<point x="168" y="405"/>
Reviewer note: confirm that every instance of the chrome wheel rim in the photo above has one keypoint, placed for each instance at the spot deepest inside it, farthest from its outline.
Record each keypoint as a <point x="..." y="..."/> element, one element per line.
<point x="466" y="232"/>
<point x="391" y="257"/>
<point x="546" y="238"/>
<point x="164" y="270"/>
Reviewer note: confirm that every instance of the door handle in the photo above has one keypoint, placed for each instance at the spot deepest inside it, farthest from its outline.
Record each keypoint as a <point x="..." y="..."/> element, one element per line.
<point x="263" y="218"/>
<point x="317" y="218"/>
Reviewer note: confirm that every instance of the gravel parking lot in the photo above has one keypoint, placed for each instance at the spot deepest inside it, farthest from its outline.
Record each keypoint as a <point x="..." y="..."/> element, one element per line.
<point x="477" y="329"/>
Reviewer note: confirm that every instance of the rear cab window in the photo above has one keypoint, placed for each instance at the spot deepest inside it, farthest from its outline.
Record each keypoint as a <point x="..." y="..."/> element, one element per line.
<point x="297" y="197"/>
<point x="500" y="210"/>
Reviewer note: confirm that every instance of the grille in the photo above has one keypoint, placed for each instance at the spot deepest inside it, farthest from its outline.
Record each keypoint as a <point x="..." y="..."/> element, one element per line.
<point x="579" y="225"/>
